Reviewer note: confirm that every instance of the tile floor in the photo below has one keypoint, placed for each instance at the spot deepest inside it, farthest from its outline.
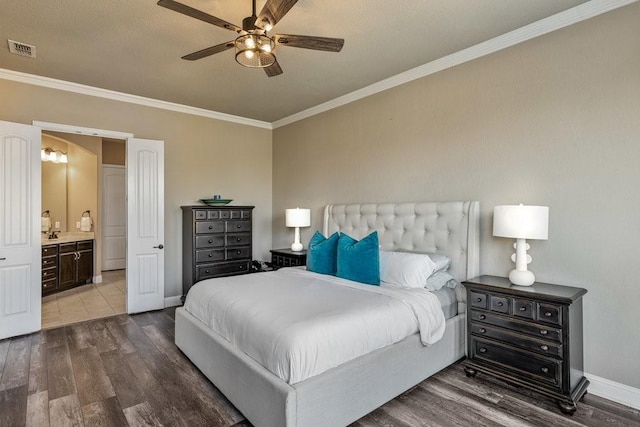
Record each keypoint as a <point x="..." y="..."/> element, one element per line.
<point x="86" y="302"/>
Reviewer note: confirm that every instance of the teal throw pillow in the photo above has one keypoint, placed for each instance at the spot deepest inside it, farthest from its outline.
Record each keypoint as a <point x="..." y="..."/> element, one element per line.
<point x="322" y="254"/>
<point x="359" y="260"/>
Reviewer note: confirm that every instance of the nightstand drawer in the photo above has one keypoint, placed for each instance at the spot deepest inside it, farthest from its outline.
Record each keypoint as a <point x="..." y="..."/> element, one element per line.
<point x="528" y="328"/>
<point x="550" y="313"/>
<point x="517" y="340"/>
<point x="478" y="299"/>
<point x="523" y="308"/>
<point x="545" y="370"/>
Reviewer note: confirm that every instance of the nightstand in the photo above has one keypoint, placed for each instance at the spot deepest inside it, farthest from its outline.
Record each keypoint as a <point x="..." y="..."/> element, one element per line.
<point x="288" y="258"/>
<point x="530" y="336"/>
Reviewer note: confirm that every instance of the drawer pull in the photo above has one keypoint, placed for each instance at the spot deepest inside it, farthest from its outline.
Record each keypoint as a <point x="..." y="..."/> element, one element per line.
<point x="482" y="317"/>
<point x="544" y="370"/>
<point x="483" y="330"/>
<point x="478" y="299"/>
<point x="523" y="308"/>
<point x="211" y="227"/>
<point x="238" y="226"/>
<point x="483" y="350"/>
<point x="210" y="240"/>
<point x="241" y="267"/>
<point x="500" y="304"/>
<point x="543" y="332"/>
<point x="238" y="239"/>
<point x="544" y="347"/>
<point x="238" y="252"/>
<point x="548" y="314"/>
<point x="206" y="271"/>
<point x="210" y="255"/>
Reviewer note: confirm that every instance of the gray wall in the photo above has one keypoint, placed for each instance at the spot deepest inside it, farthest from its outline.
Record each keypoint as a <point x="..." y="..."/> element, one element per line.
<point x="554" y="121"/>
<point x="203" y="156"/>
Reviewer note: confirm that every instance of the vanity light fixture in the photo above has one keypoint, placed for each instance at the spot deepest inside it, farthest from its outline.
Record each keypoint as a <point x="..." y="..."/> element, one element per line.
<point x="297" y="218"/>
<point x="50" y="155"/>
<point x="521" y="222"/>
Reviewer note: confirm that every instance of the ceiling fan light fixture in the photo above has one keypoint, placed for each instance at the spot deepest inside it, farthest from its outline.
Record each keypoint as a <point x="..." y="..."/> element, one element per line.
<point x="255" y="50"/>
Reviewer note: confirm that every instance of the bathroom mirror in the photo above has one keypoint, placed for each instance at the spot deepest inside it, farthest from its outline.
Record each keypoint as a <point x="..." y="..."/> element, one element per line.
<point x="54" y="193"/>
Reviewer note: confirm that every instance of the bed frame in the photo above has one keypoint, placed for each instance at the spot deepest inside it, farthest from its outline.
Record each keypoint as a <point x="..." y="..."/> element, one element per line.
<point x="346" y="393"/>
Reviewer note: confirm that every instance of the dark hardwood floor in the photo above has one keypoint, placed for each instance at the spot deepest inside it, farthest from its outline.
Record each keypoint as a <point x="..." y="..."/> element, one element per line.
<point x="125" y="370"/>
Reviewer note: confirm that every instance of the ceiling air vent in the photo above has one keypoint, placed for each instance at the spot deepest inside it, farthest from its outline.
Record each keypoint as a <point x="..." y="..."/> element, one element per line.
<point x="22" y="49"/>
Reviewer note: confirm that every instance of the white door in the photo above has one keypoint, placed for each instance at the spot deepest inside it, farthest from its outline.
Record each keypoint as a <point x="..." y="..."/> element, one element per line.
<point x="114" y="217"/>
<point x="20" y="249"/>
<point x="145" y="225"/>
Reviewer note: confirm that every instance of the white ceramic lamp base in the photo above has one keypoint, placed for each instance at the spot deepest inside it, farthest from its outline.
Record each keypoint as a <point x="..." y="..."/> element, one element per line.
<point x="520" y="275"/>
<point x="296" y="246"/>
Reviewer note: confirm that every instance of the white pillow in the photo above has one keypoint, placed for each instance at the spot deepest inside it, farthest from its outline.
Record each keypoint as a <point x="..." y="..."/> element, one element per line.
<point x="440" y="279"/>
<point x="405" y="269"/>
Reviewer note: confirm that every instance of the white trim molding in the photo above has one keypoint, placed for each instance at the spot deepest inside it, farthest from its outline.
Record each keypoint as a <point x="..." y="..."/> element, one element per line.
<point x="57" y="127"/>
<point x="172" y="301"/>
<point x="51" y="83"/>
<point x="620" y="393"/>
<point x="560" y="20"/>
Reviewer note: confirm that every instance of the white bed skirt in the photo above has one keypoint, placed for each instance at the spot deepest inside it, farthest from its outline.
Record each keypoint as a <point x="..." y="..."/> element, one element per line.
<point x="336" y="397"/>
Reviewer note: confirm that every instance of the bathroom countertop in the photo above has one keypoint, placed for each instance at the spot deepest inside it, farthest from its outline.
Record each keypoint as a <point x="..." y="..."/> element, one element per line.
<point x="67" y="237"/>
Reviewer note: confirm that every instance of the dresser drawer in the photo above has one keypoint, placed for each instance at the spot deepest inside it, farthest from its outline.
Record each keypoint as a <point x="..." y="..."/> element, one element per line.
<point x="49" y="273"/>
<point x="550" y="313"/>
<point x="205" y="227"/>
<point x="209" y="255"/>
<point x="523" y="308"/>
<point x="222" y="269"/>
<point x="203" y="242"/>
<point x="499" y="304"/>
<point x="239" y="252"/>
<point x="48" y="262"/>
<point x="478" y="299"/>
<point x="517" y="340"/>
<point x="539" y="368"/>
<point x="49" y="250"/>
<point x="529" y="328"/>
<point x="238" y="239"/>
<point x="238" y="226"/>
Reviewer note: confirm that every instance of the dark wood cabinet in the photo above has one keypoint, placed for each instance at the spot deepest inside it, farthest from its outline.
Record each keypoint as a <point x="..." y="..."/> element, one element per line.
<point x="288" y="258"/>
<point x="216" y="242"/>
<point x="530" y="336"/>
<point x="66" y="265"/>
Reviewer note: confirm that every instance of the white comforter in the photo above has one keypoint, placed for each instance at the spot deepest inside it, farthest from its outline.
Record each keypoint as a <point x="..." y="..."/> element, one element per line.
<point x="298" y="324"/>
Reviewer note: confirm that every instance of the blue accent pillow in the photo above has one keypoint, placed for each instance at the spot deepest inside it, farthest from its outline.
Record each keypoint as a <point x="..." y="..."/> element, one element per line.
<point x="322" y="254"/>
<point x="359" y="260"/>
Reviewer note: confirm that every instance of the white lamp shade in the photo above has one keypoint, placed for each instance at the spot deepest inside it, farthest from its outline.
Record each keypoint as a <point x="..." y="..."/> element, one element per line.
<point x="521" y="222"/>
<point x="298" y="217"/>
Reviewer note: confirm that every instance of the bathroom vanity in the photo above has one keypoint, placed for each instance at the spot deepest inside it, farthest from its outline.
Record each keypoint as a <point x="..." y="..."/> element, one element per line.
<point x="67" y="262"/>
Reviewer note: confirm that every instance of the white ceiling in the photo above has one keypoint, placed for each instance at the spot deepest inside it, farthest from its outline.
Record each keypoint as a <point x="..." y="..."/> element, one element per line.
<point x="135" y="46"/>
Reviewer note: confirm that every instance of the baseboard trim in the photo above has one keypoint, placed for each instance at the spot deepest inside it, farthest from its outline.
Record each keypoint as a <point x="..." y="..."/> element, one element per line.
<point x="173" y="301"/>
<point x="97" y="279"/>
<point x="620" y="393"/>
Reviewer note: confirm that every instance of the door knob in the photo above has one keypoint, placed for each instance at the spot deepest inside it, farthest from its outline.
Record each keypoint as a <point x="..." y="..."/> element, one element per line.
<point x="160" y="246"/>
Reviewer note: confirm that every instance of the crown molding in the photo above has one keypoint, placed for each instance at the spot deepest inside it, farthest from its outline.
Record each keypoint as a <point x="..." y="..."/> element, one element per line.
<point x="560" y="20"/>
<point x="48" y="82"/>
<point x="552" y="23"/>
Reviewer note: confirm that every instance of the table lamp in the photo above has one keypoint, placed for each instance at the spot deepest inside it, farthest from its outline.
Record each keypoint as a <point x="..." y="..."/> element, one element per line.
<point x="521" y="222"/>
<point x="297" y="218"/>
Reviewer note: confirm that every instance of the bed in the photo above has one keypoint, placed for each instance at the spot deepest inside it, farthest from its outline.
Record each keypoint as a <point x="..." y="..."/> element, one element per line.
<point x="347" y="392"/>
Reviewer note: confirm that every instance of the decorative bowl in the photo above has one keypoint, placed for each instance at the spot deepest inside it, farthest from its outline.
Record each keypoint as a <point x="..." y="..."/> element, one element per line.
<point x="216" y="202"/>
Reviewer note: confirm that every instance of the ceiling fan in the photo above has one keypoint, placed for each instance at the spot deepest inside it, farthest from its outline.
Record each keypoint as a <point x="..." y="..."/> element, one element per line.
<point x="255" y="48"/>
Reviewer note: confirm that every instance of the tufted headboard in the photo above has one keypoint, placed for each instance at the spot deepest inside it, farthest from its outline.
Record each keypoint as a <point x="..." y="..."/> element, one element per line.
<point x="449" y="228"/>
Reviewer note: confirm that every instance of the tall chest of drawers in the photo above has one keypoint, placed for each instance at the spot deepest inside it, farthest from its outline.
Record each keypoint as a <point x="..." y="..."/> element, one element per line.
<point x="530" y="336"/>
<point x="216" y="242"/>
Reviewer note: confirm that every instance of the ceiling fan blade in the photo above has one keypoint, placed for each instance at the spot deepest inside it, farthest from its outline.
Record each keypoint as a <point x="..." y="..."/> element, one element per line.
<point x="272" y="12"/>
<point x="209" y="51"/>
<point x="198" y="14"/>
<point x="273" y="70"/>
<point x="310" y="42"/>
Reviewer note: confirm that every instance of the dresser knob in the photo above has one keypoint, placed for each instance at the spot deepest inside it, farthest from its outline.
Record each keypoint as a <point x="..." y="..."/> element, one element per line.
<point x="544" y="370"/>
<point x="238" y="226"/>
<point x="500" y="304"/>
<point x="211" y="227"/>
<point x="544" y="347"/>
<point x="479" y="300"/>
<point x="548" y="314"/>
<point x="241" y="267"/>
<point x="523" y="308"/>
<point x="483" y="350"/>
<point x="483" y="330"/>
<point x="482" y="317"/>
<point x="543" y="332"/>
<point x="206" y="271"/>
<point x="238" y="252"/>
<point x="210" y="255"/>
<point x="238" y="239"/>
<point x="210" y="240"/>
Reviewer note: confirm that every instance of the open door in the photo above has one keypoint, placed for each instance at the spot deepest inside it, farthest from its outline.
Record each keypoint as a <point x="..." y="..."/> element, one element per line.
<point x="145" y="225"/>
<point x="20" y="249"/>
